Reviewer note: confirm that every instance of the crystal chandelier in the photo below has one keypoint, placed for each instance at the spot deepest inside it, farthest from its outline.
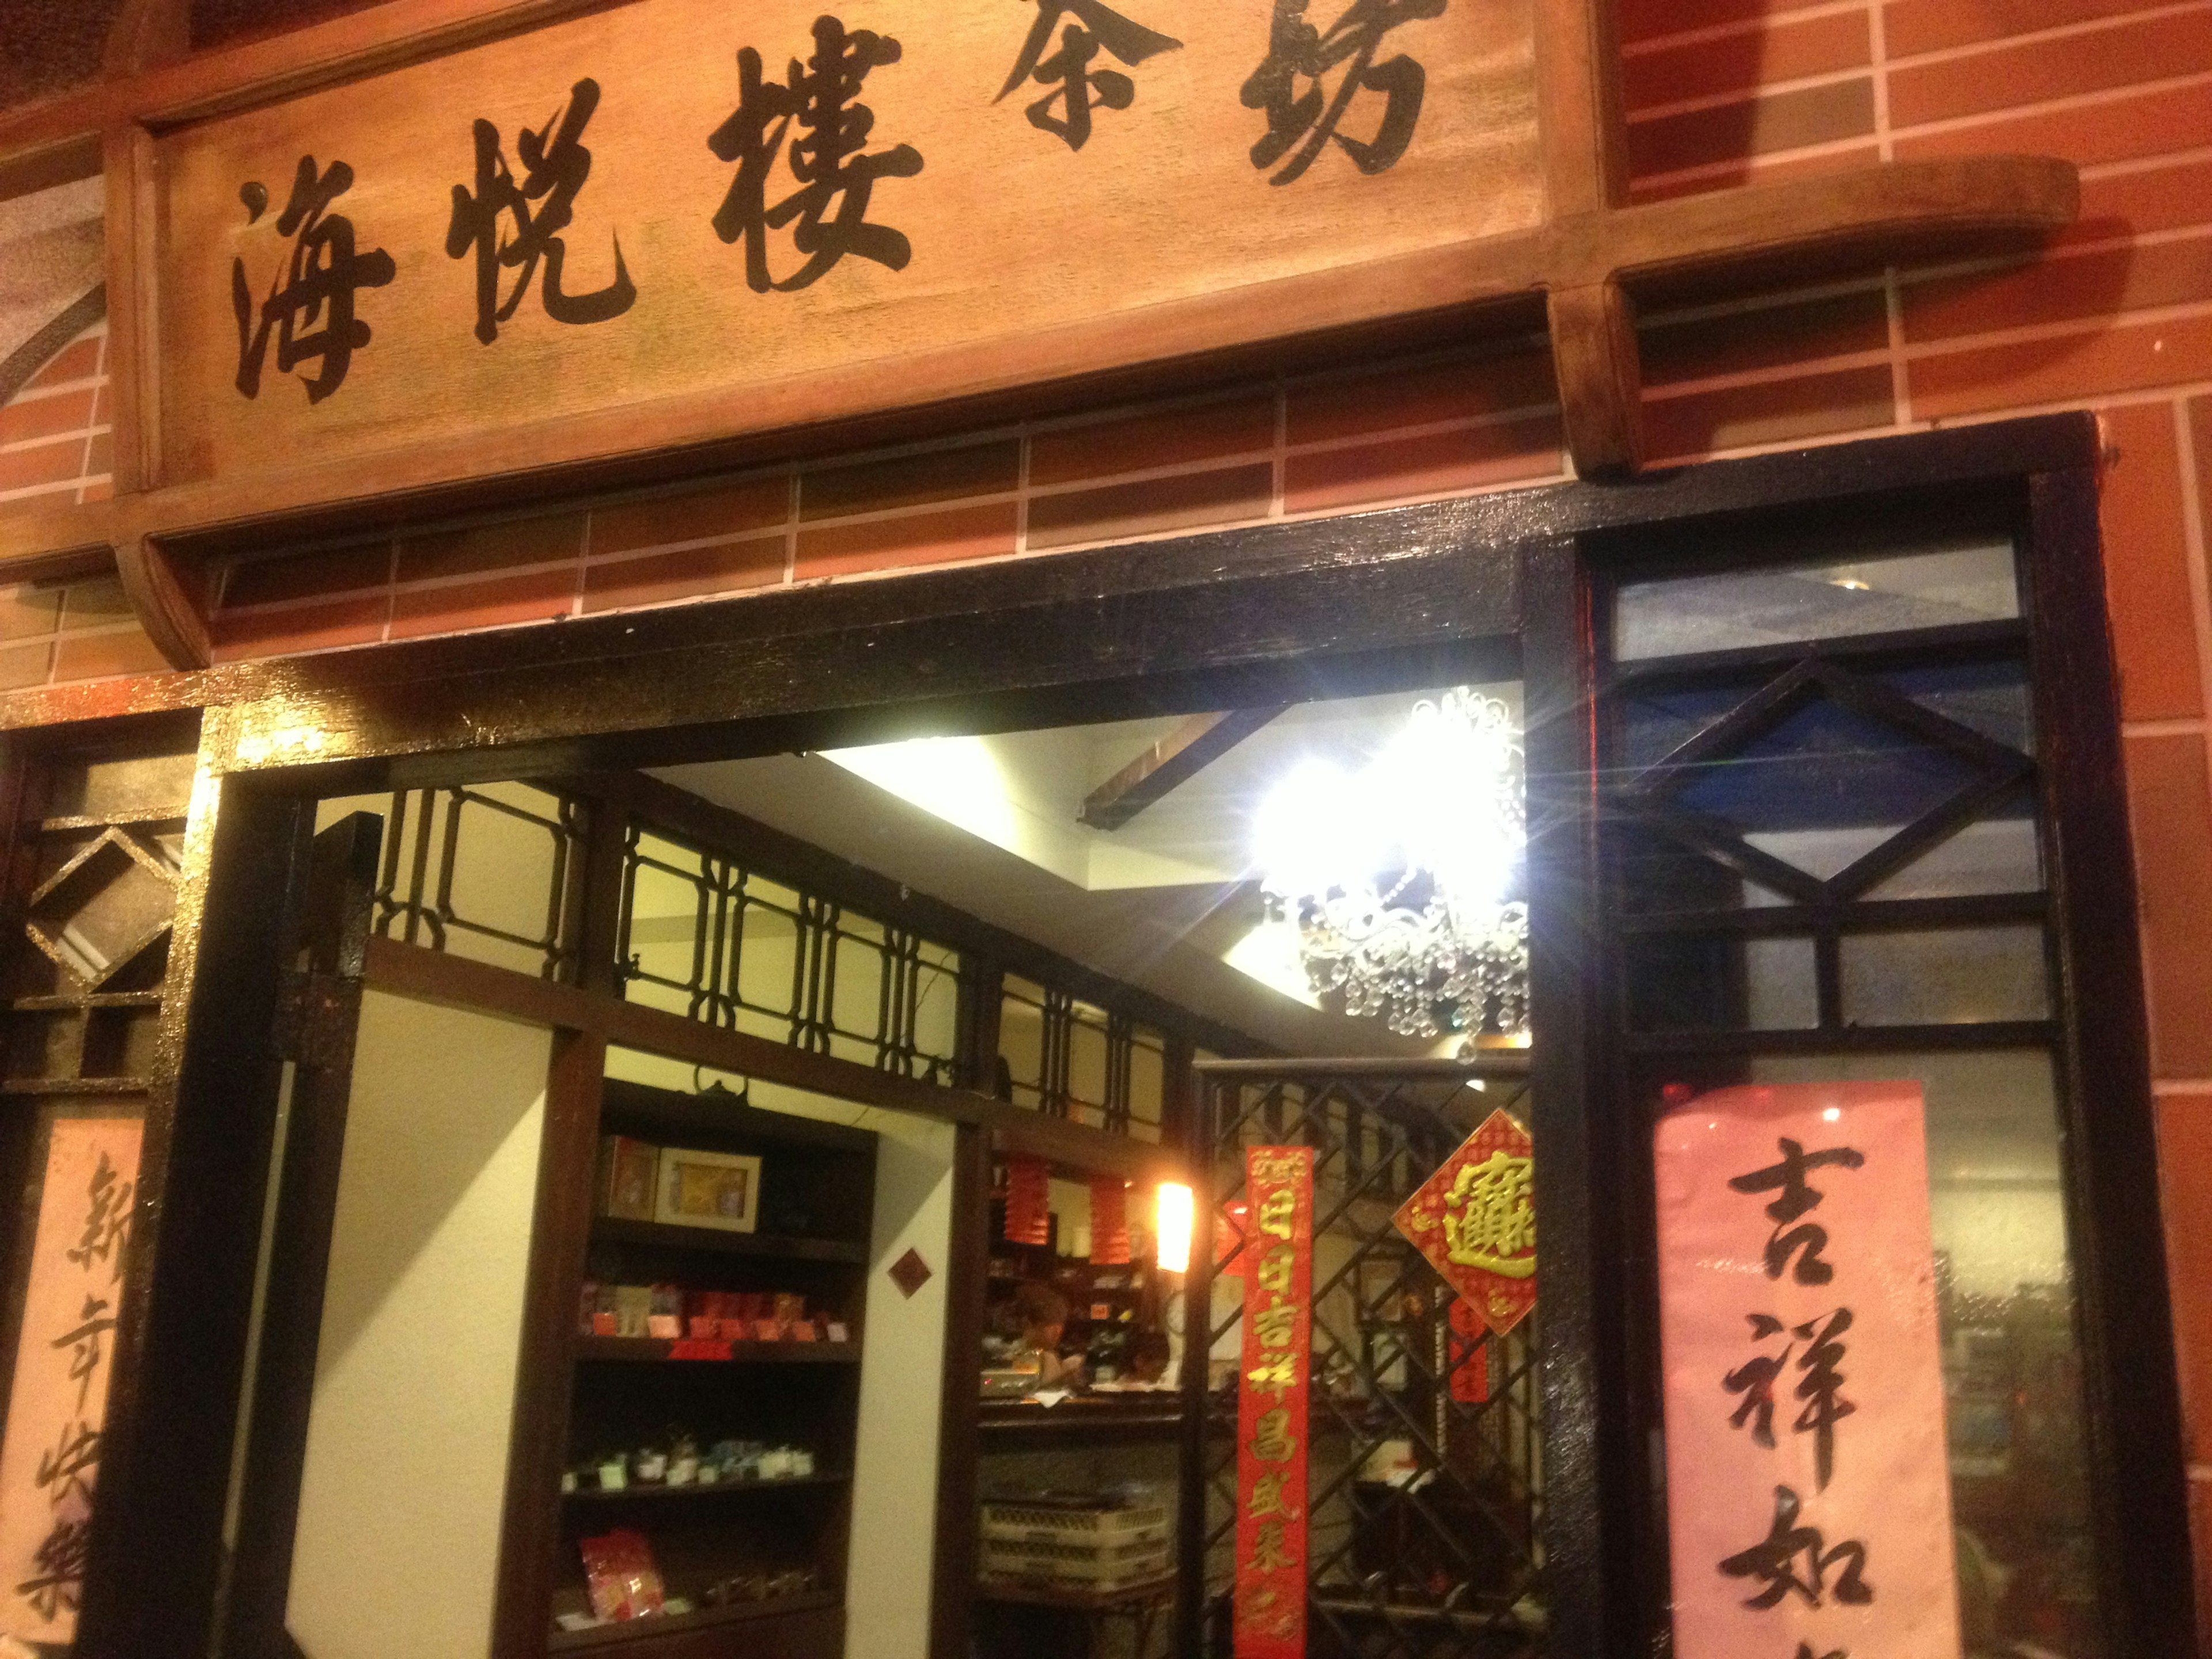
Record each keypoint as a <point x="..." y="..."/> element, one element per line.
<point x="1396" y="877"/>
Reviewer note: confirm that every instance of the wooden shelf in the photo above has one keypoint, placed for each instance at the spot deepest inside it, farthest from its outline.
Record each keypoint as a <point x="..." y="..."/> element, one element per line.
<point x="660" y="1235"/>
<point x="634" y="1629"/>
<point x="701" y="1489"/>
<point x="659" y="1350"/>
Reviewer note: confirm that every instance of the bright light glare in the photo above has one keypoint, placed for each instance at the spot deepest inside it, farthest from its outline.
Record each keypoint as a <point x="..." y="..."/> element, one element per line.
<point x="1432" y="800"/>
<point x="958" y="779"/>
<point x="1832" y="1115"/>
<point x="1172" y="1227"/>
<point x="1269" y="953"/>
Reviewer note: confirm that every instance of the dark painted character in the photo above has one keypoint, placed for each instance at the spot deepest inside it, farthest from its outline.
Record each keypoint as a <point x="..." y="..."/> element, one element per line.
<point x="1805" y="1651"/>
<point x="828" y="159"/>
<point x="1797" y="1200"/>
<point x="1820" y="1388"/>
<point x="1773" y="1561"/>
<point x="317" y="286"/>
<point x="1069" y="68"/>
<point x="60" y="1561"/>
<point x="67" y="1470"/>
<point x="107" y="1219"/>
<point x="84" y="1364"/>
<point x="1754" y="1380"/>
<point x="555" y="167"/>
<point x="1303" y="118"/>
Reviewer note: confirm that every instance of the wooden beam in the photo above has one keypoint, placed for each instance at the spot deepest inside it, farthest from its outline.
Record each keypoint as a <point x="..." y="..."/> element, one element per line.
<point x="1193" y="745"/>
<point x="1594" y="351"/>
<point x="165" y="601"/>
<point x="1578" y="104"/>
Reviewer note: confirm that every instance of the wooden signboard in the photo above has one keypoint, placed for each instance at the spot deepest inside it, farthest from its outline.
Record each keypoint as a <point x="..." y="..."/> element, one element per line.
<point x="450" y="254"/>
<point x="682" y="196"/>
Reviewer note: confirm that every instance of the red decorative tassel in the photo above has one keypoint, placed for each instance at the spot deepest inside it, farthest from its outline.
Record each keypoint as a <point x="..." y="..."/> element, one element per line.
<point x="1109" y="1222"/>
<point x="1029" y="1201"/>
<point x="1470" y="1378"/>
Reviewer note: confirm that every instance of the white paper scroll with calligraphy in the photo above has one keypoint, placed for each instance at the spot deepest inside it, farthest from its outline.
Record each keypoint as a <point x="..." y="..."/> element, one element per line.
<point x="49" y="1462"/>
<point x="1808" y="1496"/>
<point x="685" y="197"/>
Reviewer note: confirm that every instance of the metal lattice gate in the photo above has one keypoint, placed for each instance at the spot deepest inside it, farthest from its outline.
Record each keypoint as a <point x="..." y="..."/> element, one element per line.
<point x="1423" y="1500"/>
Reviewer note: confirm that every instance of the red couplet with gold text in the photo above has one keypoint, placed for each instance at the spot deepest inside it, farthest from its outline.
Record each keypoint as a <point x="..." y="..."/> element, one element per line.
<point x="1271" y="1406"/>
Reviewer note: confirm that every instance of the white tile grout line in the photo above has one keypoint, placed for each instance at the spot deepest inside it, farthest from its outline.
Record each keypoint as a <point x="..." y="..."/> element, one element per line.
<point x="1711" y="101"/>
<point x="583" y="564"/>
<point x="2180" y="726"/>
<point x="1022" y="454"/>
<point x="1892" y="290"/>
<point x="1279" y="471"/>
<point x="1711" y="32"/>
<point x="791" y="525"/>
<point x="2069" y="101"/>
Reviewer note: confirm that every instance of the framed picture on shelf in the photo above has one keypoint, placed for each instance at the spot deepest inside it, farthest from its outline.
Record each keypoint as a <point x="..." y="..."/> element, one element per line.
<point x="707" y="1189"/>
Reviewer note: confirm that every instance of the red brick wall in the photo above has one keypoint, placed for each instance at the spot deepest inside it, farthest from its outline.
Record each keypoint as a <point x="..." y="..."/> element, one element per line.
<point x="2116" y="316"/>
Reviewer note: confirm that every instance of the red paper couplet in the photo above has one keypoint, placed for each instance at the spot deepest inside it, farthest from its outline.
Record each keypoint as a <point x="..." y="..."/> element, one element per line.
<point x="1029" y="1201"/>
<point x="1271" y="1406"/>
<point x="1470" y="1377"/>
<point x="1475" y="1220"/>
<point x="1109" y="1221"/>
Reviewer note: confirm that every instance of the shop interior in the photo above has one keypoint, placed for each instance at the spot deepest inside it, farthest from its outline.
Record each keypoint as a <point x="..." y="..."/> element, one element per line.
<point x="765" y="1330"/>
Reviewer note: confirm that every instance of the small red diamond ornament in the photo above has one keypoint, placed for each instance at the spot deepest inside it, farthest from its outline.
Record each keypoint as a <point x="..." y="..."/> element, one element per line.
<point x="1475" y="1220"/>
<point x="910" y="1273"/>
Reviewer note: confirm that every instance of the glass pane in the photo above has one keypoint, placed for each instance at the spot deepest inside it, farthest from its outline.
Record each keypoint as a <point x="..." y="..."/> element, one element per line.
<point x="1721" y="983"/>
<point x="2010" y="1359"/>
<point x="1879" y="593"/>
<point x="1823" y="785"/>
<point x="1957" y="976"/>
<point x="1988" y="697"/>
<point x="2000" y="854"/>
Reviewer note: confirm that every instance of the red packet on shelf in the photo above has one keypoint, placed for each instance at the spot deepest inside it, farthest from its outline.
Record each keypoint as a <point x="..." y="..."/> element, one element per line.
<point x="768" y="1330"/>
<point x="802" y="1330"/>
<point x="623" y="1582"/>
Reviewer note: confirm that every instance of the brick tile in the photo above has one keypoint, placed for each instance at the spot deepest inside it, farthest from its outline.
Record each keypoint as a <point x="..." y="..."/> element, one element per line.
<point x="93" y="604"/>
<point x="2150" y="198"/>
<point x="2200" y="433"/>
<point x="1153" y="438"/>
<point x="96" y="489"/>
<point x="1912" y="27"/>
<point x="263" y="581"/>
<point x="2147" y="567"/>
<point x="491" y="547"/>
<point x="356" y="620"/>
<point x="75" y="362"/>
<point x="2033" y="71"/>
<point x="61" y="462"/>
<point x="1773" y="411"/>
<point x="25" y="609"/>
<point x="98" y="656"/>
<point x="1786" y="51"/>
<point x="1465" y="388"/>
<point x="498" y="602"/>
<point x="25" y="664"/>
<point x="2184" y="1181"/>
<point x="691" y="572"/>
<point x="938" y="475"/>
<point x="755" y="504"/>
<point x="2172" y="814"/>
<point x="1756" y="170"/>
<point x="1755" y="126"/>
<point x="1649" y="20"/>
<point x="1119" y="511"/>
<point x="1765" y="336"/>
<point x="65" y="411"/>
<point x="2071" y="367"/>
<point x="2117" y="128"/>
<point x="2059" y="290"/>
<point x="99" y="455"/>
<point x="1438" y="464"/>
<point x="975" y="532"/>
<point x="2200" y="1529"/>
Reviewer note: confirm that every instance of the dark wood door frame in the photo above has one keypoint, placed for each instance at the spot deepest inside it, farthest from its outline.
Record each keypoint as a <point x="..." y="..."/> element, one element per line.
<point x="1273" y="613"/>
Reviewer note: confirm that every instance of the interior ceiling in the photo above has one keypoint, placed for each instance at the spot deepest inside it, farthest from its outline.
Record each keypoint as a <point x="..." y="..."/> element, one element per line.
<point x="1155" y="904"/>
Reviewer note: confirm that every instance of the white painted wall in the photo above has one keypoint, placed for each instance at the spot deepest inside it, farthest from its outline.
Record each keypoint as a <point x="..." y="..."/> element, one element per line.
<point x="397" y="1550"/>
<point x="901" y="1358"/>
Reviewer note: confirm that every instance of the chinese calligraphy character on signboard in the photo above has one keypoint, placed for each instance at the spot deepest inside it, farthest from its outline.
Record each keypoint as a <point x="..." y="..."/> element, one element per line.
<point x="1068" y="69"/>
<point x="1305" y="110"/>
<point x="310" y="307"/>
<point x="829" y="159"/>
<point x="516" y="226"/>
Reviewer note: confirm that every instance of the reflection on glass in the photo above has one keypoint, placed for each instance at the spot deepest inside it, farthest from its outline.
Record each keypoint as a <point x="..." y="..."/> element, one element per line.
<point x="1996" y="854"/>
<point x="1953" y="977"/>
<point x="2011" y="1364"/>
<point x="1970" y="582"/>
